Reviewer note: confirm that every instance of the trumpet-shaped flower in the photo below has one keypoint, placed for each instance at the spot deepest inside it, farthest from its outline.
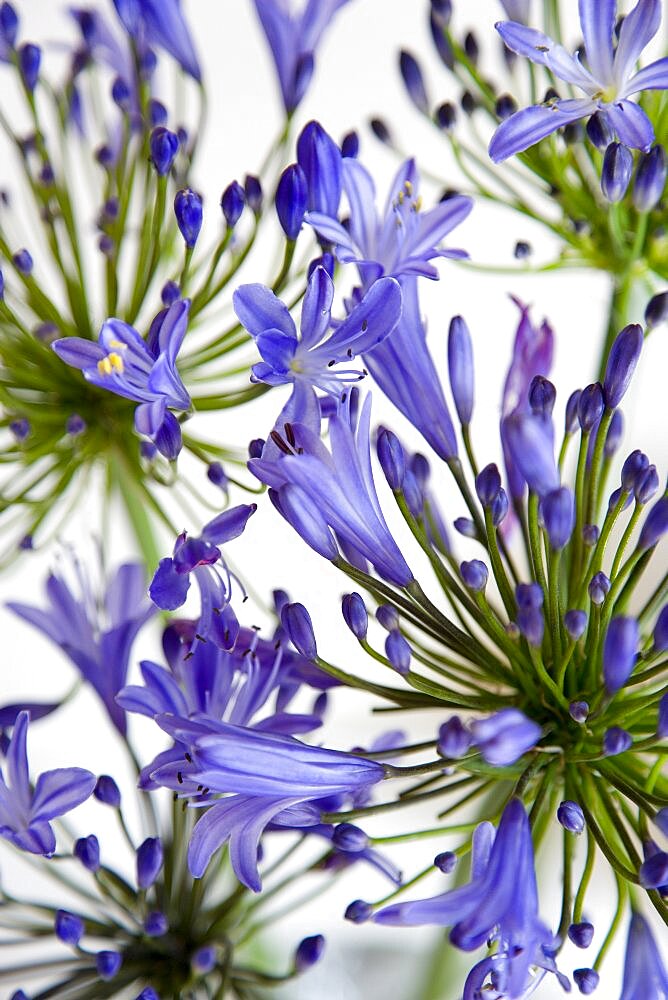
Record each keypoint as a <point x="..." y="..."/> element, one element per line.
<point x="160" y="22"/>
<point x="608" y="79"/>
<point x="645" y="976"/>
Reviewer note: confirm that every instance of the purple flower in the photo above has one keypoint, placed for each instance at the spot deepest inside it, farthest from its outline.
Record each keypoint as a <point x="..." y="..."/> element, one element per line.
<point x="320" y="159"/>
<point x="529" y="443"/>
<point x="24" y="813"/>
<point x="608" y="82"/>
<point x="645" y="976"/>
<point x="160" y="22"/>
<point x="620" y="650"/>
<point x="143" y="370"/>
<point x="293" y="38"/>
<point x="505" y="736"/>
<point x="558" y="510"/>
<point x="96" y="633"/>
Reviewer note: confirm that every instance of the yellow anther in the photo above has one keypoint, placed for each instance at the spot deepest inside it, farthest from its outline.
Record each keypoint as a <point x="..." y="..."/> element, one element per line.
<point x="118" y="344"/>
<point x="417" y="204"/>
<point x="116" y="361"/>
<point x="113" y="362"/>
<point x="409" y="187"/>
<point x="400" y="197"/>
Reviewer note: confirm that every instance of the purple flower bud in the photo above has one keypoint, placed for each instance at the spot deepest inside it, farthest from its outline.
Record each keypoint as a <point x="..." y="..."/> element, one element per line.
<point x="590" y="406"/>
<point x="662" y="718"/>
<point x="571" y="418"/>
<point x="9" y="24"/>
<point x="635" y="464"/>
<point x="575" y="623"/>
<point x="598" y="130"/>
<point x="616" y="496"/>
<point x="168" y="440"/>
<point x="291" y="195"/>
<point x="358" y="912"/>
<point x="379" y="128"/>
<point x="446" y="115"/>
<point x="75" y="425"/>
<point x="392" y="459"/>
<point x="232" y="203"/>
<point x="474" y="574"/>
<point x="656" y="310"/>
<point x="529" y="595"/>
<point x="616" y="740"/>
<point x="571" y="817"/>
<point x="487" y="485"/>
<point x="650" y="179"/>
<point x="661" y="631"/>
<point x="149" y="862"/>
<point x="350" y="145"/>
<point x="579" y="711"/>
<point x="69" y="927"/>
<point x="215" y="473"/>
<point x="438" y="21"/>
<point x="296" y="621"/>
<point x="655" y="526"/>
<point x="398" y="651"/>
<point x="156" y="924"/>
<point x="320" y="159"/>
<point x="614" y="436"/>
<point x="621" y="365"/>
<point x="616" y="172"/>
<point x="157" y="112"/>
<point x="22" y="261"/>
<point x="661" y="820"/>
<point x="147" y="450"/>
<point x="188" y="211"/>
<point x="653" y="872"/>
<point x="581" y="934"/>
<point x="414" y="81"/>
<point x="148" y="993"/>
<point x="599" y="585"/>
<point x="387" y="617"/>
<point x="586" y="980"/>
<point x="108" y="964"/>
<point x="466" y="527"/>
<point x="204" y="959"/>
<point x="505" y="736"/>
<point x="253" y="190"/>
<point x="460" y="368"/>
<point x="542" y="396"/>
<point x="531" y="624"/>
<point x="164" y="145"/>
<point x="529" y="441"/>
<point x="454" y="739"/>
<point x="620" y="650"/>
<point x="500" y="507"/>
<point x="30" y="57"/>
<point x="446" y="862"/>
<point x="120" y="93"/>
<point x="309" y="952"/>
<point x="256" y="447"/>
<point x="20" y="428"/>
<point x="558" y="510"/>
<point x="419" y="466"/>
<point x="646" y="485"/>
<point x="413" y="494"/>
<point x="87" y="850"/>
<point x="522" y="250"/>
<point x="355" y="614"/>
<point x="106" y="790"/>
<point x="505" y="107"/>
<point x="348" y="837"/>
<point x="327" y="261"/>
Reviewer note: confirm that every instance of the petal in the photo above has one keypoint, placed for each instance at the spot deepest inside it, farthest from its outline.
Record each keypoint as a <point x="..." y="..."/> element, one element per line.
<point x="18" y="774"/>
<point x="330" y="230"/>
<point x="149" y="417"/>
<point x="361" y="193"/>
<point x="277" y="349"/>
<point x="631" y="124"/>
<point x="317" y="308"/>
<point x="597" y="18"/>
<point x="39" y="838"/>
<point x="228" y="525"/>
<point x="78" y="353"/>
<point x="527" y="42"/>
<point x="168" y="588"/>
<point x="56" y="792"/>
<point x="652" y="77"/>
<point x="638" y="29"/>
<point x="165" y="25"/>
<point x="173" y="328"/>
<point x="370" y="322"/>
<point x="258" y="309"/>
<point x="434" y="225"/>
<point x="125" y="599"/>
<point x="532" y="124"/>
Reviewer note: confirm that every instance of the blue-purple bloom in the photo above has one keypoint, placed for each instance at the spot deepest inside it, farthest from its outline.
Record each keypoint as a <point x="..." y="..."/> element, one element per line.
<point x="529" y="444"/>
<point x="645" y="976"/>
<point x="160" y="22"/>
<point x="608" y="80"/>
<point x="25" y="813"/>
<point x="505" y="736"/>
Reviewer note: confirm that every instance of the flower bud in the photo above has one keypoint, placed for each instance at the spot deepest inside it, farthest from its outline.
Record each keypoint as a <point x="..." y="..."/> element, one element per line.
<point x="350" y="145"/>
<point x="650" y="179"/>
<point x="655" y="526"/>
<point x="108" y="964"/>
<point x="87" y="850"/>
<point x="460" y="368"/>
<point x="635" y="464"/>
<point x="581" y="934"/>
<point x="188" y="211"/>
<point x="621" y="365"/>
<point x="653" y="872"/>
<point x="598" y="130"/>
<point x="69" y="927"/>
<point x="348" y="837"/>
<point x="446" y="862"/>
<point x="599" y="585"/>
<point x="411" y="74"/>
<point x="22" y="261"/>
<point x="413" y="495"/>
<point x="662" y="718"/>
<point x="620" y="649"/>
<point x="157" y="112"/>
<point x="661" y="631"/>
<point x="575" y="623"/>
<point x="500" y="507"/>
<point x="656" y="310"/>
<point x="586" y="980"/>
<point x="204" y="959"/>
<point x="149" y="862"/>
<point x="355" y="614"/>
<point x="75" y="425"/>
<point x="614" y="436"/>
<point x="215" y="473"/>
<point x="616" y="172"/>
<point x="9" y="24"/>
<point x="309" y="952"/>
<point x="529" y="595"/>
<point x="296" y="621"/>
<point x="120" y="93"/>
<point x="661" y="820"/>
<point x="531" y="624"/>
<point x="579" y="711"/>
<point x="590" y="406"/>
<point x="571" y="817"/>
<point x="163" y="145"/>
<point x="505" y="736"/>
<point x="474" y="574"/>
<point x="466" y="527"/>
<point x="558" y="510"/>
<point x="168" y="440"/>
<point x="170" y="293"/>
<point x="30" y="57"/>
<point x="542" y="396"/>
<point x="20" y="428"/>
<point x="488" y="484"/>
<point x="107" y="791"/>
<point x="529" y="441"/>
<point x="505" y="107"/>
<point x="253" y="190"/>
<point x="646" y="485"/>
<point x="454" y="739"/>
<point x="571" y="417"/>
<point x="358" y="912"/>
<point x="387" y="616"/>
<point x="291" y="195"/>
<point x="156" y="924"/>
<point x="616" y="740"/>
<point x="446" y="115"/>
<point x="232" y="203"/>
<point x="392" y="459"/>
<point x="398" y="651"/>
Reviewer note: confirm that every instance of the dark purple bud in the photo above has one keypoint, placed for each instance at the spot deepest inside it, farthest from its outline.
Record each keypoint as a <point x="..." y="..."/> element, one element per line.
<point x="599" y="585"/>
<point x="662" y="718"/>
<point x="256" y="447"/>
<point x="105" y="156"/>
<point x="599" y="131"/>
<point x="387" y="617"/>
<point x="465" y="527"/>
<point x="542" y="396"/>
<point x="320" y="159"/>
<point x="646" y="485"/>
<point x="9" y="24"/>
<point x="168" y="440"/>
<point x="581" y="934"/>
<point x="454" y="739"/>
<point x="471" y="47"/>
<point x="522" y="250"/>
<point x="106" y="245"/>
<point x="204" y="959"/>
<point x="575" y="623"/>
<point x="149" y="862"/>
<point x="253" y="190"/>
<point x="69" y="927"/>
<point x="22" y="261"/>
<point x="468" y="102"/>
<point x="460" y="368"/>
<point x="529" y="595"/>
<point x="120" y="93"/>
<point x="87" y="850"/>
<point x="571" y="419"/>
<point x="488" y="484"/>
<point x="309" y="952"/>
<point x="107" y="791"/>
<point x="446" y="115"/>
<point x="500" y="507"/>
<point x="20" y="428"/>
<point x="413" y="495"/>
<point x="348" y="837"/>
<point x="655" y="526"/>
<point x="590" y="534"/>
<point x="414" y="81"/>
<point x="661" y="631"/>
<point x="571" y="817"/>
<point x="438" y="22"/>
<point x="350" y="145"/>
<point x="379" y="128"/>
<point x="46" y="175"/>
<point x="633" y="467"/>
<point x="650" y="179"/>
<point x="392" y="459"/>
<point x="505" y="107"/>
<point x="398" y="651"/>
<point x="296" y="621"/>
<point x="446" y="862"/>
<point x="558" y="510"/>
<point x="616" y="172"/>
<point x="614" y="436"/>
<point x="531" y="624"/>
<point x="622" y="362"/>
<point x="108" y="964"/>
<point x="156" y="924"/>
<point x="188" y="211"/>
<point x="419" y="466"/>
<point x="75" y="425"/>
<point x="586" y="980"/>
<point x="147" y="450"/>
<point x="355" y="615"/>
<point x="505" y="736"/>
<point x="474" y="574"/>
<point x="573" y="133"/>
<point x="232" y="203"/>
<point x="616" y="740"/>
<point x="529" y="441"/>
<point x="157" y="112"/>
<point x="279" y="598"/>
<point x="291" y="195"/>
<point x="590" y="406"/>
<point x="656" y="310"/>
<point x="147" y="63"/>
<point x="579" y="711"/>
<point x="163" y="145"/>
<point x="30" y="56"/>
<point x="358" y="912"/>
<point x="653" y="872"/>
<point x="215" y="473"/>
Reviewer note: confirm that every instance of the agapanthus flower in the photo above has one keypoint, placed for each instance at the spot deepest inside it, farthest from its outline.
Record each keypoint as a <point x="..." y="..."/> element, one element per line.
<point x="25" y="813"/>
<point x="160" y="22"/>
<point x="609" y="79"/>
<point x="645" y="976"/>
<point x="96" y="631"/>
<point x="143" y="370"/>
